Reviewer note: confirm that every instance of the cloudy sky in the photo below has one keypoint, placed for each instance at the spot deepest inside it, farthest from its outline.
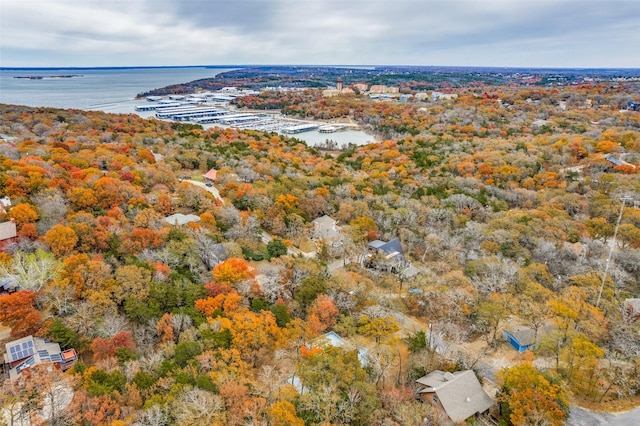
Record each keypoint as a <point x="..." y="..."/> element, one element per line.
<point x="536" y="33"/>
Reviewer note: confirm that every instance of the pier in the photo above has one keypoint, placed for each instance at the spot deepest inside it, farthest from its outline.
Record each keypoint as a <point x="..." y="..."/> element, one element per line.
<point x="292" y="130"/>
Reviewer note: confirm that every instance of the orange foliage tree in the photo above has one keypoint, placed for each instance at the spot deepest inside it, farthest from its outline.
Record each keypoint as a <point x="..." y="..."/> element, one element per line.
<point x="61" y="239"/>
<point x="322" y="314"/>
<point x="23" y="213"/>
<point x="231" y="271"/>
<point x="18" y="311"/>
<point x="224" y="302"/>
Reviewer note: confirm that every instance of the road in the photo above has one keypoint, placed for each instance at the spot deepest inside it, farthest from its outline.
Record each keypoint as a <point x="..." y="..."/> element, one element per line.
<point x="211" y="189"/>
<point x="583" y="417"/>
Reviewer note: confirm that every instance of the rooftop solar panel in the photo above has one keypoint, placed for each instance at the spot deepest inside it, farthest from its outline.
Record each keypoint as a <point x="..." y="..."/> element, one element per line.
<point x="22" y="350"/>
<point x="28" y="363"/>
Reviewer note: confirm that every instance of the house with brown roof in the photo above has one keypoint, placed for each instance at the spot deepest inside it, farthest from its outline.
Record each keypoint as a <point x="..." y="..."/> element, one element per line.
<point x="211" y="175"/>
<point x="31" y="351"/>
<point x="458" y="394"/>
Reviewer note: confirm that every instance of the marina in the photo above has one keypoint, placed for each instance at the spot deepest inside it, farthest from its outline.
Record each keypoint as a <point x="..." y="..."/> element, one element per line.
<point x="212" y="109"/>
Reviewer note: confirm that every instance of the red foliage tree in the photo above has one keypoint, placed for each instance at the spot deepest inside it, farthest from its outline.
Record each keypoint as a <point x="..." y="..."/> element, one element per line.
<point x="104" y="348"/>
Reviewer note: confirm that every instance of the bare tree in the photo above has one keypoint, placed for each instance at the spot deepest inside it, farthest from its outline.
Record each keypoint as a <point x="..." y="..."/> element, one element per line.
<point x="112" y="324"/>
<point x="32" y="270"/>
<point x="154" y="416"/>
<point x="197" y="406"/>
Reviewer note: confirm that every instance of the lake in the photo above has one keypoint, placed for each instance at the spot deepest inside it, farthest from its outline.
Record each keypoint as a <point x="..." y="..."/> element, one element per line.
<point x="114" y="90"/>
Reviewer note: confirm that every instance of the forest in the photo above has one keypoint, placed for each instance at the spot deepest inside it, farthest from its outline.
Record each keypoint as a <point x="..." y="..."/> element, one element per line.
<point x="513" y="205"/>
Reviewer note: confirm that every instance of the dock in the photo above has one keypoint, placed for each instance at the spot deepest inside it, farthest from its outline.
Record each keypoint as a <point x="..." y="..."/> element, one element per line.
<point x="300" y="128"/>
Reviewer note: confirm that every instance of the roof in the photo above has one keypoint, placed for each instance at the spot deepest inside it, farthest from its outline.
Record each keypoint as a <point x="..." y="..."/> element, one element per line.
<point x="325" y="220"/>
<point x="524" y="335"/>
<point x="334" y="339"/>
<point x="8" y="282"/>
<point x="181" y="219"/>
<point x="30" y="351"/>
<point x="219" y="251"/>
<point x="615" y="161"/>
<point x="391" y="248"/>
<point x="211" y="174"/>
<point x="376" y="244"/>
<point x="325" y="227"/>
<point x="460" y="393"/>
<point x="8" y="230"/>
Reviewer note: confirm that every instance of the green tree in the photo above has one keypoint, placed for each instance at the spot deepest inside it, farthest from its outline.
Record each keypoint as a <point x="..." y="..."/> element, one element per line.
<point x="276" y="248"/>
<point x="66" y="337"/>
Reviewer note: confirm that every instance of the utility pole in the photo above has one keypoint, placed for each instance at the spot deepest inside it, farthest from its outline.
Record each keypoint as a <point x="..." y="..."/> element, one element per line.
<point x="611" y="247"/>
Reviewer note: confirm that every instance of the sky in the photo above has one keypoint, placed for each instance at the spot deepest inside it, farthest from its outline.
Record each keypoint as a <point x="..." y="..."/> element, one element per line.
<point x="504" y="33"/>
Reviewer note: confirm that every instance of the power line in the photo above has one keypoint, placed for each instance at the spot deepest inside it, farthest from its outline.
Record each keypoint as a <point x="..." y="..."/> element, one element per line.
<point x="611" y="247"/>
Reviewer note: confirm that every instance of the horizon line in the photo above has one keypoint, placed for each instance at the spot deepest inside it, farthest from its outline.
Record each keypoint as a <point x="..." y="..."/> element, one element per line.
<point x="351" y="66"/>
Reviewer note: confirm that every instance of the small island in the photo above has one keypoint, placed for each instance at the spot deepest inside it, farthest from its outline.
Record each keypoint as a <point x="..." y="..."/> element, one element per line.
<point x="42" y="77"/>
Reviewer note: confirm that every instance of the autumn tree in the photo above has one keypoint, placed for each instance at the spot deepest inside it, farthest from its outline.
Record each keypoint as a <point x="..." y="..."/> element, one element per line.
<point x="104" y="348"/>
<point x="377" y="327"/>
<point x="362" y="228"/>
<point x="528" y="396"/>
<point x="322" y="314"/>
<point x="18" y="311"/>
<point x="283" y="413"/>
<point x="23" y="213"/>
<point x="62" y="239"/>
<point x="493" y="311"/>
<point x="231" y="271"/>
<point x="39" y="396"/>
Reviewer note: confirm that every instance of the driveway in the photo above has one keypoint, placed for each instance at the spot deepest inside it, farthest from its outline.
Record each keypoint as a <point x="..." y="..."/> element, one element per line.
<point x="583" y="417"/>
<point x="211" y="189"/>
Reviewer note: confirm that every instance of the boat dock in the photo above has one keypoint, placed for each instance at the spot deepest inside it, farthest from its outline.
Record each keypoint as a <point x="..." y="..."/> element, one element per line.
<point x="201" y="109"/>
<point x="300" y="128"/>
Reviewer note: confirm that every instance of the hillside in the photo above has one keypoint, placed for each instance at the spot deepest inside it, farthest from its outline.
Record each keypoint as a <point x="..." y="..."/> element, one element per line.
<point x="509" y="204"/>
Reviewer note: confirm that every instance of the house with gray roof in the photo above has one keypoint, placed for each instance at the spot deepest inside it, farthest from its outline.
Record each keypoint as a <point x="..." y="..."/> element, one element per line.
<point x="521" y="338"/>
<point x="180" y="219"/>
<point x="8" y="233"/>
<point x="458" y="394"/>
<point x="326" y="228"/>
<point x="387" y="256"/>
